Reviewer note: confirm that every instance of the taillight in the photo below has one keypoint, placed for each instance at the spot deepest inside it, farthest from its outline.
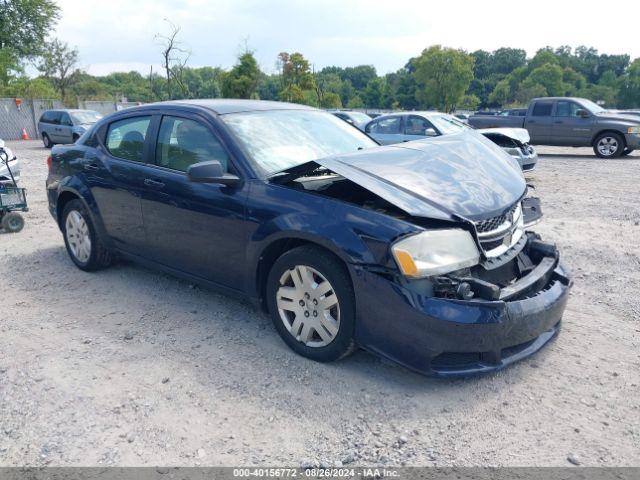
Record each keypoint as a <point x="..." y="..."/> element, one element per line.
<point x="49" y="162"/>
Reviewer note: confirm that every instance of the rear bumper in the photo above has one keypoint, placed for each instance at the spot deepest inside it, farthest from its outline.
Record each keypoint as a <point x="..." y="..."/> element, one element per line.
<point x="449" y="337"/>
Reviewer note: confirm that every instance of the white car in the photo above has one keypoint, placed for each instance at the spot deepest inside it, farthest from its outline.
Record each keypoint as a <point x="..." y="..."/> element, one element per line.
<point x="7" y="156"/>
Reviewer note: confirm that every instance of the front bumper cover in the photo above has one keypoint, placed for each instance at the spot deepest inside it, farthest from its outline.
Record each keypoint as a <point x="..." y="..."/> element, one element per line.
<point x="450" y="337"/>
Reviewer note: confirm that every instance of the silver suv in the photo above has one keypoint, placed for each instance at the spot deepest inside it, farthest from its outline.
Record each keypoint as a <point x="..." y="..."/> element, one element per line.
<point x="65" y="126"/>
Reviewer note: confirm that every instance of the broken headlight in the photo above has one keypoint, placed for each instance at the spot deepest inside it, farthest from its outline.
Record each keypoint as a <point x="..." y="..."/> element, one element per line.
<point x="435" y="252"/>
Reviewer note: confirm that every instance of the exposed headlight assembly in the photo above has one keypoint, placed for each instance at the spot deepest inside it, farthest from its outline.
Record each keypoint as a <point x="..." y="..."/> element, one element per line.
<point x="435" y="252"/>
<point x="635" y="130"/>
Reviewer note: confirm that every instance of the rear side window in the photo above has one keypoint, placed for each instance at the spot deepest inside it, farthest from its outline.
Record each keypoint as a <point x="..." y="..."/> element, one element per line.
<point x="125" y="138"/>
<point x="50" y="117"/>
<point x="183" y="142"/>
<point x="385" y="126"/>
<point x="542" y="109"/>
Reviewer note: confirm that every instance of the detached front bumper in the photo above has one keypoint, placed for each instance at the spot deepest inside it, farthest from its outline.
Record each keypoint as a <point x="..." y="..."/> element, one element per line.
<point x="450" y="337"/>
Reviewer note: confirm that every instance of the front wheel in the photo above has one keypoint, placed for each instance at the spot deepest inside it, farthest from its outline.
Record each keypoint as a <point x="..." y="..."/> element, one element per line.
<point x="83" y="243"/>
<point x="608" y="145"/>
<point x="311" y="301"/>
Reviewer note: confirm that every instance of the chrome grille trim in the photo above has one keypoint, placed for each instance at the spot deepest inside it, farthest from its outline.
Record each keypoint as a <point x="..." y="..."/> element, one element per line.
<point x="507" y="233"/>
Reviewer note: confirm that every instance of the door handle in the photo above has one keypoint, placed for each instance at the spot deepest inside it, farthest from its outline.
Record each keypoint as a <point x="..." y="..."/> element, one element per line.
<point x="558" y="121"/>
<point x="532" y="121"/>
<point x="92" y="167"/>
<point x="149" y="182"/>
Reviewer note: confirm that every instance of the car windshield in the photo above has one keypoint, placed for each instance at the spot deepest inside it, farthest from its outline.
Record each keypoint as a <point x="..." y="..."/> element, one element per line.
<point x="360" y="117"/>
<point x="280" y="139"/>
<point x="592" y="107"/>
<point x="81" y="118"/>
<point x="447" y="124"/>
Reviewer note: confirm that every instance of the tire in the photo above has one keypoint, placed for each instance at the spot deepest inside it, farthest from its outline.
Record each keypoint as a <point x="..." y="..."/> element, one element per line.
<point x="311" y="338"/>
<point x="627" y="151"/>
<point x="88" y="257"/>
<point x="608" y="145"/>
<point x="46" y="141"/>
<point x="12" y="222"/>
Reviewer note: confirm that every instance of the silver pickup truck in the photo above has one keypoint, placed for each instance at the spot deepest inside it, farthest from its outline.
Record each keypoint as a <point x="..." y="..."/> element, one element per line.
<point x="571" y="122"/>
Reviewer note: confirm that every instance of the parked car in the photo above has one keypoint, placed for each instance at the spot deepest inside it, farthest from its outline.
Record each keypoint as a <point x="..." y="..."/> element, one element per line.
<point x="572" y="122"/>
<point x="357" y="119"/>
<point x="14" y="166"/>
<point x="65" y="126"/>
<point x="421" y="253"/>
<point x="406" y="127"/>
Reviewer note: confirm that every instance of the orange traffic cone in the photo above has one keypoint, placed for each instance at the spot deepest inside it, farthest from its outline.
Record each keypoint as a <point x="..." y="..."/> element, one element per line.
<point x="25" y="135"/>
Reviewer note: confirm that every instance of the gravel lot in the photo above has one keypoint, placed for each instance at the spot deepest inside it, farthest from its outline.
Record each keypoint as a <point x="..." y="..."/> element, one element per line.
<point x="132" y="367"/>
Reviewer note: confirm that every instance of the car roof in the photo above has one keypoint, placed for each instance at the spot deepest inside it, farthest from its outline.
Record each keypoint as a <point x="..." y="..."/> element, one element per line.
<point x="223" y="106"/>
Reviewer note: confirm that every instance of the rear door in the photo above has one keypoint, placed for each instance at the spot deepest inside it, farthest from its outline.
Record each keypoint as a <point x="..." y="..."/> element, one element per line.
<point x="195" y="228"/>
<point x="387" y="130"/>
<point x="53" y="127"/>
<point x="540" y="121"/>
<point x="115" y="175"/>
<point x="65" y="128"/>
<point x="568" y="127"/>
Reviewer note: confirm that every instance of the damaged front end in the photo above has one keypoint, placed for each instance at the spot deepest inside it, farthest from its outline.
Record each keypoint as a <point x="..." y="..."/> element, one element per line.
<point x="497" y="298"/>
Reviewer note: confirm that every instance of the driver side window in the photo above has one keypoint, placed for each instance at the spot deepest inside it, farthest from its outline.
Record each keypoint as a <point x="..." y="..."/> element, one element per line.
<point x="183" y="142"/>
<point x="417" y="126"/>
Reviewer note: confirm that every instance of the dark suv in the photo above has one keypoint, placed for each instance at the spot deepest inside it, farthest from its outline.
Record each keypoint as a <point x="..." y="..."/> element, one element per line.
<point x="420" y="252"/>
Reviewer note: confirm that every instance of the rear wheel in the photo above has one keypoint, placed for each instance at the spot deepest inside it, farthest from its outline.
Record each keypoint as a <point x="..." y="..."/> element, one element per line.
<point x="12" y="222"/>
<point x="608" y="145"/>
<point x="311" y="302"/>
<point x="84" y="245"/>
<point x="46" y="141"/>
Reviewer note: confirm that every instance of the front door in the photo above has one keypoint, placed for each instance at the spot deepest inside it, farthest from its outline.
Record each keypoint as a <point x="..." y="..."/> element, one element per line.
<point x="569" y="128"/>
<point x="195" y="228"/>
<point x="66" y="126"/>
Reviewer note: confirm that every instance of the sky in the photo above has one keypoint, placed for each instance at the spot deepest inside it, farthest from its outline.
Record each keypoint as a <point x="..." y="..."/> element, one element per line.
<point x="119" y="35"/>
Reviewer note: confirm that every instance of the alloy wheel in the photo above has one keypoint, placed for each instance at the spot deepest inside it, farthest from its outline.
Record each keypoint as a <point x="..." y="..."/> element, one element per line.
<point x="607" y="146"/>
<point x="308" y="306"/>
<point x="78" y="236"/>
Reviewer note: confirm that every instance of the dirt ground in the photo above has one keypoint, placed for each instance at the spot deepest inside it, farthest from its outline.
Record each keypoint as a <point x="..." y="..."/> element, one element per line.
<point x="131" y="367"/>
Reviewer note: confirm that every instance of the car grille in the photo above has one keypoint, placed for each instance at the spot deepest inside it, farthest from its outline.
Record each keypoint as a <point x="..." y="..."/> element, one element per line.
<point x="492" y="223"/>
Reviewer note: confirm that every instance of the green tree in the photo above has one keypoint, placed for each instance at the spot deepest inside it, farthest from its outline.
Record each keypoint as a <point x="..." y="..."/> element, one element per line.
<point x="443" y="76"/>
<point x="469" y="102"/>
<point x="629" y="96"/>
<point x="331" y="100"/>
<point x="24" y="24"/>
<point x="549" y="76"/>
<point x="57" y="64"/>
<point x="242" y="80"/>
<point x="355" y="102"/>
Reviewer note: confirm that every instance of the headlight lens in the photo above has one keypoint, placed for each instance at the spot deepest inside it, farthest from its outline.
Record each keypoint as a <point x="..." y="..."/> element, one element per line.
<point x="435" y="252"/>
<point x="635" y="130"/>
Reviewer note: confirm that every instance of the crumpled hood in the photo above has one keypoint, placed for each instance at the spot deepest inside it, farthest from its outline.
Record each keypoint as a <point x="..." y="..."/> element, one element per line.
<point x="519" y="134"/>
<point x="459" y="175"/>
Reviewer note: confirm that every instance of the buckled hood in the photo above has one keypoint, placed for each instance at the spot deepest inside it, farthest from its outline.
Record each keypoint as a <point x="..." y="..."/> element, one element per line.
<point x="446" y="177"/>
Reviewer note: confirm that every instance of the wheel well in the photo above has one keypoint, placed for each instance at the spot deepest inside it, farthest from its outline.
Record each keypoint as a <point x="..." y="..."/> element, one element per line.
<point x="63" y="199"/>
<point x="595" y="137"/>
<point x="271" y="254"/>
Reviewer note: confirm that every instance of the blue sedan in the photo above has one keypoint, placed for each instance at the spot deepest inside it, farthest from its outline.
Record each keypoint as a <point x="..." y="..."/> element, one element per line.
<point x="421" y="252"/>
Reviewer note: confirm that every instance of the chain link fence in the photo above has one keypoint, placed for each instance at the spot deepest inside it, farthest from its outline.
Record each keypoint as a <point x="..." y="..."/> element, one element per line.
<point x="16" y="114"/>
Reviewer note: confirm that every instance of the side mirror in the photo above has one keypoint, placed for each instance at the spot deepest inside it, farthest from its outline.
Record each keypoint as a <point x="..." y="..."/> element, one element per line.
<point x="430" y="132"/>
<point x="582" y="113"/>
<point x="210" y="172"/>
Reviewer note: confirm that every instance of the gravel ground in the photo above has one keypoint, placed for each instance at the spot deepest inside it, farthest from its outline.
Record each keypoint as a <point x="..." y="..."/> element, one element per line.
<point x="131" y="367"/>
